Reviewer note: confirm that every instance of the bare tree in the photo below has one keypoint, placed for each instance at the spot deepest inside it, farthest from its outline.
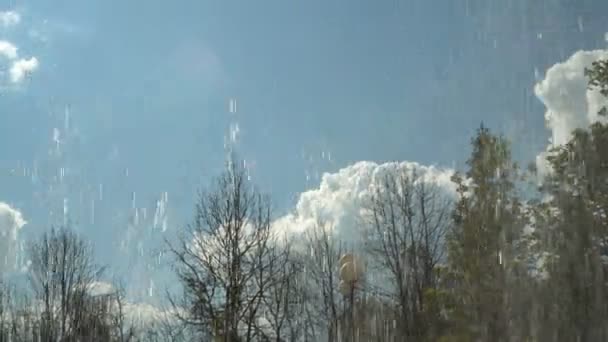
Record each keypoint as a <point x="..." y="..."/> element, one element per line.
<point x="164" y="329"/>
<point x="224" y="260"/>
<point x="284" y="302"/>
<point x="7" y="326"/>
<point x="407" y="220"/>
<point x="324" y="302"/>
<point x="17" y="320"/>
<point x="113" y="306"/>
<point x="61" y="273"/>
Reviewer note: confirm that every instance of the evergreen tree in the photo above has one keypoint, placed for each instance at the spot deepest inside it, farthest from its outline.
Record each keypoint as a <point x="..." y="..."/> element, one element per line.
<point x="481" y="247"/>
<point x="578" y="241"/>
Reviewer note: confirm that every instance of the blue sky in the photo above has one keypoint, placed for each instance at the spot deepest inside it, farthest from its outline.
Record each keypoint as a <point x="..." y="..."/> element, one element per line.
<point x="148" y="83"/>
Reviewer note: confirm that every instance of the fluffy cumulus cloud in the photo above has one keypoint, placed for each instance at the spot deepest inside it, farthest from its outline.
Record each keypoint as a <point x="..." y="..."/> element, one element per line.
<point x="8" y="50"/>
<point x="568" y="101"/>
<point x="22" y="68"/>
<point x="18" y="67"/>
<point x="11" y="221"/>
<point x="570" y="105"/>
<point x="342" y="196"/>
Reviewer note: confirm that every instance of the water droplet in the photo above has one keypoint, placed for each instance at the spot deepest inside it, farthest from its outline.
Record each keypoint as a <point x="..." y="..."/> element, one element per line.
<point x="93" y="211"/>
<point x="151" y="288"/>
<point x="66" y="120"/>
<point x="232" y="106"/>
<point x="65" y="211"/>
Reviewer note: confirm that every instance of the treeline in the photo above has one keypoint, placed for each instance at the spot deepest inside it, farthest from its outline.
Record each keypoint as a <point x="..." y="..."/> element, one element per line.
<point x="61" y="302"/>
<point x="502" y="260"/>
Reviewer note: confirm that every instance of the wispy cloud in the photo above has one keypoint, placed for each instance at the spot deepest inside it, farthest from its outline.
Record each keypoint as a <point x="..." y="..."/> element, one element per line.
<point x="9" y="18"/>
<point x="51" y="29"/>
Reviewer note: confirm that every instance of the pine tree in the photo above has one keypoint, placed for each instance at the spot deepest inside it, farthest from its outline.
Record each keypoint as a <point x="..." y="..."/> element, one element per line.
<point x="481" y="245"/>
<point x="576" y="235"/>
<point x="578" y="241"/>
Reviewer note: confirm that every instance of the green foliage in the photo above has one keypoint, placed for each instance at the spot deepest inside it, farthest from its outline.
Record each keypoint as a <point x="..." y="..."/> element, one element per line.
<point x="575" y="237"/>
<point x="482" y="244"/>
<point x="598" y="79"/>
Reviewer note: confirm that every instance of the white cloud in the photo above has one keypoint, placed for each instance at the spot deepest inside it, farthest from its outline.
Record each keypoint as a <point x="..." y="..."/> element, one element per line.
<point x="341" y="196"/>
<point x="18" y="68"/>
<point x="564" y="92"/>
<point x="9" y="18"/>
<point x="144" y="314"/>
<point x="22" y="67"/>
<point x="100" y="288"/>
<point x="138" y="315"/>
<point x="569" y="103"/>
<point x="8" y="49"/>
<point x="11" y="221"/>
